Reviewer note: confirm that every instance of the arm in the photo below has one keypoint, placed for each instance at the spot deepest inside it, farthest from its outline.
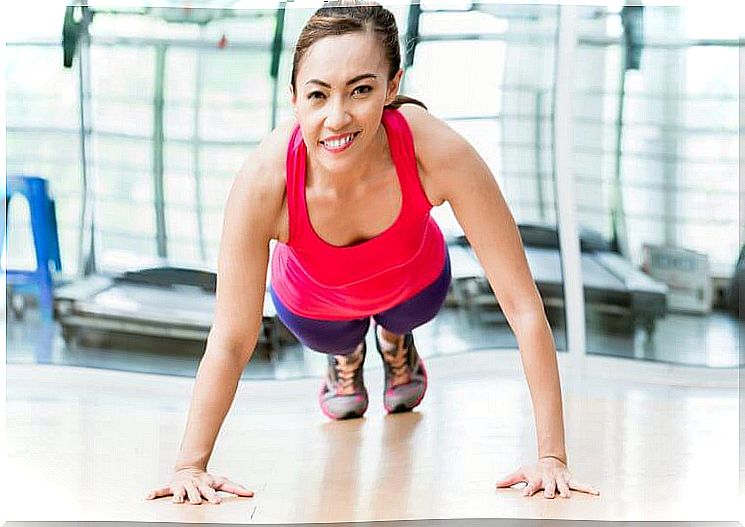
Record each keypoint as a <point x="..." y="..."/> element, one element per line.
<point x="249" y="221"/>
<point x="456" y="173"/>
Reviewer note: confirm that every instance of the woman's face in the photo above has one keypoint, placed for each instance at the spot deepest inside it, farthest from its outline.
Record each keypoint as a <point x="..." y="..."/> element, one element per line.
<point x="342" y="87"/>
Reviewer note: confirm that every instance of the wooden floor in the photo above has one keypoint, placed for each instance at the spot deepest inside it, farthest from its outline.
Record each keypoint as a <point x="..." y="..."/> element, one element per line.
<point x="87" y="444"/>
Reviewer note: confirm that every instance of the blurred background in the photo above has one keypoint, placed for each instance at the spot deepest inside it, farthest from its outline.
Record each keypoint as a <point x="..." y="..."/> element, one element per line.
<point x="138" y="118"/>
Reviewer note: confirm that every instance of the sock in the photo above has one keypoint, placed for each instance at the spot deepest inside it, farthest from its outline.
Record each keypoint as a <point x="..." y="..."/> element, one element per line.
<point x="384" y="344"/>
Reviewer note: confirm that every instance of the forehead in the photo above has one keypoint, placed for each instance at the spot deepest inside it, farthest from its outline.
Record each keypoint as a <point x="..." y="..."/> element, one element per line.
<point x="340" y="57"/>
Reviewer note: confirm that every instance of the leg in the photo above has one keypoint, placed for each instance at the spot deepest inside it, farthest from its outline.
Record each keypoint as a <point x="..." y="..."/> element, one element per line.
<point x="418" y="310"/>
<point x="405" y="375"/>
<point x="337" y="337"/>
<point x="343" y="394"/>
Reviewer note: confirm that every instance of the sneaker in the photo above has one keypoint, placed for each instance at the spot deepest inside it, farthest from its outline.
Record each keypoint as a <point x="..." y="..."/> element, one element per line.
<point x="343" y="394"/>
<point x="405" y="376"/>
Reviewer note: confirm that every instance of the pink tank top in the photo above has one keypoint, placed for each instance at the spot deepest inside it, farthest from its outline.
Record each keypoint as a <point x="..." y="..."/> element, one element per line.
<point x="315" y="279"/>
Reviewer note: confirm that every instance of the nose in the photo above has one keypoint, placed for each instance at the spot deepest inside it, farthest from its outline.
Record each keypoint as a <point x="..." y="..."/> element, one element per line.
<point x="337" y="116"/>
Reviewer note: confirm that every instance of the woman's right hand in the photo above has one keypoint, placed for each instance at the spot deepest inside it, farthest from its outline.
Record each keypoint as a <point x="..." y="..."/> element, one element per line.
<point x="195" y="483"/>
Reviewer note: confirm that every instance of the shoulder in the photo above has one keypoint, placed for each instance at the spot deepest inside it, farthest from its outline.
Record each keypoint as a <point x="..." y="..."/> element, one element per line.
<point x="263" y="170"/>
<point x="434" y="140"/>
<point x="265" y="165"/>
<point x="438" y="147"/>
<point x="261" y="179"/>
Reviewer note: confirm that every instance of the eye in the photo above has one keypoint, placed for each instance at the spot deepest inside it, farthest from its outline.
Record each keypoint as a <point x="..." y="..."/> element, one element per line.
<point x="315" y="95"/>
<point x="363" y="89"/>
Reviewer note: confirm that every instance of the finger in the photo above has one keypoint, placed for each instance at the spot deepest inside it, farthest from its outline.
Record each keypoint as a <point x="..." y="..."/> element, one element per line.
<point x="194" y="497"/>
<point x="515" y="477"/>
<point x="209" y="493"/>
<point x="583" y="488"/>
<point x="159" y="493"/>
<point x="178" y="495"/>
<point x="531" y="488"/>
<point x="228" y="486"/>
<point x="561" y="484"/>
<point x="549" y="487"/>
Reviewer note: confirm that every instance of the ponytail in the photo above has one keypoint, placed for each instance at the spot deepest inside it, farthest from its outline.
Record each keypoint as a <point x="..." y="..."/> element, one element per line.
<point x="400" y="100"/>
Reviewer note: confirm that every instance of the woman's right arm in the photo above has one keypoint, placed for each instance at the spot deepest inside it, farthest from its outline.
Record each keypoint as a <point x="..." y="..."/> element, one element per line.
<point x="250" y="219"/>
<point x="241" y="282"/>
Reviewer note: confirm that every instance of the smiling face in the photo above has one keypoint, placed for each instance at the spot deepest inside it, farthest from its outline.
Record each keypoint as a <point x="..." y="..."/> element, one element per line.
<point x="342" y="87"/>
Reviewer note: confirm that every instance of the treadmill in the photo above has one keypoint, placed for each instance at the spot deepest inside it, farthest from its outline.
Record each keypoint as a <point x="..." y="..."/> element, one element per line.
<point x="611" y="283"/>
<point x="159" y="301"/>
<point x="160" y="298"/>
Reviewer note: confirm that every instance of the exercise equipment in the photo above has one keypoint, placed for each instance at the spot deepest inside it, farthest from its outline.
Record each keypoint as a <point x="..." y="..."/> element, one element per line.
<point x="611" y="283"/>
<point x="158" y="301"/>
<point x="162" y="298"/>
<point x="736" y="288"/>
<point x="686" y="274"/>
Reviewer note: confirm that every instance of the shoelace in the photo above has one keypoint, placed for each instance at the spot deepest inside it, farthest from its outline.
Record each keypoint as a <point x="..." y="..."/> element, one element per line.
<point x="398" y="363"/>
<point x="346" y="368"/>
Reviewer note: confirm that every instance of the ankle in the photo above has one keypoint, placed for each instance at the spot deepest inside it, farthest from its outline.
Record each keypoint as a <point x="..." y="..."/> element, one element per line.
<point x="388" y="341"/>
<point x="357" y="351"/>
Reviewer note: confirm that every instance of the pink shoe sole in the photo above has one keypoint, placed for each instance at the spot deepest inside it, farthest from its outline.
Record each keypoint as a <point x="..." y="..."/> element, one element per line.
<point x="400" y="409"/>
<point x="336" y="417"/>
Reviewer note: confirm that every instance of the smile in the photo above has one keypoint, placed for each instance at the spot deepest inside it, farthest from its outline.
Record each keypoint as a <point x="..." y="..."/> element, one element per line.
<point x="340" y="143"/>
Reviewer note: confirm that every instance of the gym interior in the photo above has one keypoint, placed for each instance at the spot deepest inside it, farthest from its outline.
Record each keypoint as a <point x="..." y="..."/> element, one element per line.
<point x="613" y="132"/>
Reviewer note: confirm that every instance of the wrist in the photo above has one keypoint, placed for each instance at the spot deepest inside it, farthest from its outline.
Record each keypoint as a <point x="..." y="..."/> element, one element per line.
<point x="563" y="459"/>
<point x="186" y="466"/>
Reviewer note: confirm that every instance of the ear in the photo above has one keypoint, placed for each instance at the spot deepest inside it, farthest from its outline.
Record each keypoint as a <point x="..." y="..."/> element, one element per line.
<point x="393" y="86"/>
<point x="293" y="99"/>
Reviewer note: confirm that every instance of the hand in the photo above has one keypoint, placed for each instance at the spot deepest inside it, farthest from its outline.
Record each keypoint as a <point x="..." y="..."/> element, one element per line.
<point x="549" y="474"/>
<point x="196" y="483"/>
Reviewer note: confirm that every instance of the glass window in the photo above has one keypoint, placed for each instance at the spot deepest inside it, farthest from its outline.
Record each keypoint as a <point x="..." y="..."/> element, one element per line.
<point x="500" y="100"/>
<point x="42" y="139"/>
<point x="667" y="177"/>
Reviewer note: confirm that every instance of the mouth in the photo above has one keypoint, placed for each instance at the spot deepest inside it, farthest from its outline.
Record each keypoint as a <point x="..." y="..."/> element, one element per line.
<point x="339" y="143"/>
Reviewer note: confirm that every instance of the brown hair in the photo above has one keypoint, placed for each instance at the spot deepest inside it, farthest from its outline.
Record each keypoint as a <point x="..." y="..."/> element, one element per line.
<point x="340" y="17"/>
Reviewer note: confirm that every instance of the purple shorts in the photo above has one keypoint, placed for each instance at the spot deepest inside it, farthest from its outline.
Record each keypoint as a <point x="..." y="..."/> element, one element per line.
<point x="343" y="336"/>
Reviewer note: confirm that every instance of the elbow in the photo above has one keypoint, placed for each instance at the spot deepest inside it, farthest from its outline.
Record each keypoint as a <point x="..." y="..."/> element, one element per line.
<point x="526" y="312"/>
<point x="239" y="347"/>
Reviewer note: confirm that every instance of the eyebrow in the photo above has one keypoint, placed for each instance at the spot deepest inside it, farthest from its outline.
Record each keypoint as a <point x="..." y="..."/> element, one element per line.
<point x="349" y="83"/>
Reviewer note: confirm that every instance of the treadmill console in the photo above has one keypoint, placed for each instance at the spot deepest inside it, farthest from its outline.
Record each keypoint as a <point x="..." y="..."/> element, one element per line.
<point x="686" y="274"/>
<point x="170" y="277"/>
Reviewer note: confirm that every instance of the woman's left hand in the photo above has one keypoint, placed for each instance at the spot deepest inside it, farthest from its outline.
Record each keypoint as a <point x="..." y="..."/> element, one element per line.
<point x="549" y="474"/>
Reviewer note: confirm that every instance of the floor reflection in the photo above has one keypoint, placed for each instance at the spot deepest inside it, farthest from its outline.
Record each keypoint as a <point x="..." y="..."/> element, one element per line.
<point x="694" y="340"/>
<point x="683" y="339"/>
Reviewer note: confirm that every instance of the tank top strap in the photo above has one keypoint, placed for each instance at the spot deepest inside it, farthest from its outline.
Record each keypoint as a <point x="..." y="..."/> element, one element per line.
<point x="295" y="174"/>
<point x="401" y="144"/>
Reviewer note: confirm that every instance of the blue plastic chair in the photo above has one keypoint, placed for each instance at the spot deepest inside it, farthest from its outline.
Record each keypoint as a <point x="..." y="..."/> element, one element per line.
<point x="46" y="239"/>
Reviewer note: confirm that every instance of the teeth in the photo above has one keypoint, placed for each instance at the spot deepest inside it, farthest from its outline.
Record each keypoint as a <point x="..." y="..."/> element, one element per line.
<point x="337" y="143"/>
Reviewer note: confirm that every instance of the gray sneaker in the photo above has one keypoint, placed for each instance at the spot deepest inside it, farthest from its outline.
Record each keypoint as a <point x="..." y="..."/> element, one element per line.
<point x="405" y="376"/>
<point x="343" y="394"/>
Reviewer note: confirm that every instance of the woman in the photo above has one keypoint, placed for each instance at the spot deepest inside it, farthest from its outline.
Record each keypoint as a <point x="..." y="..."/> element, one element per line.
<point x="346" y="191"/>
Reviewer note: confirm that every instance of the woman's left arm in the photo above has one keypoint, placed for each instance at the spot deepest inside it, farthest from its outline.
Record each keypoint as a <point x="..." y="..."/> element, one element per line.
<point x="454" y="172"/>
